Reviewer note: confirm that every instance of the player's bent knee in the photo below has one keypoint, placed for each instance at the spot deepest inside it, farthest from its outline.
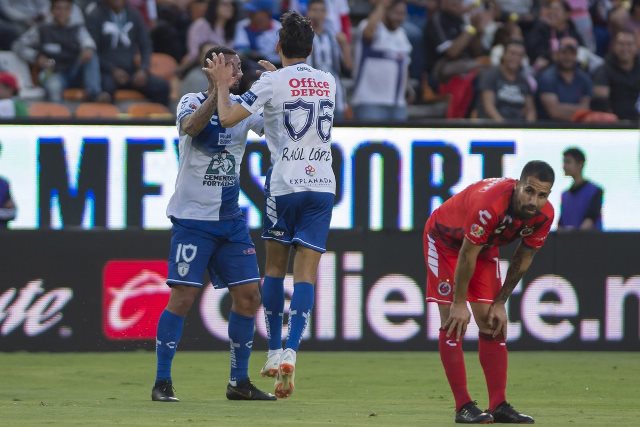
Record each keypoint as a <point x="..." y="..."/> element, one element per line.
<point x="181" y="299"/>
<point x="246" y="299"/>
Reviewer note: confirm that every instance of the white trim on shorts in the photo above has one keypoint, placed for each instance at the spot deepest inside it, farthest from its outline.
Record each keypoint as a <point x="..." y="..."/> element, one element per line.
<point x="309" y="245"/>
<point x="254" y="279"/>
<point x="183" y="282"/>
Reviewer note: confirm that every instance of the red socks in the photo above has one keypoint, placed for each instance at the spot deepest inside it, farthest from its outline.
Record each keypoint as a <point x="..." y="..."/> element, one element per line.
<point x="493" y="358"/>
<point x="453" y="362"/>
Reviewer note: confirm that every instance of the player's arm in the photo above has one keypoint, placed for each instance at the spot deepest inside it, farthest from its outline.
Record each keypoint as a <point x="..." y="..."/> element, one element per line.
<point x="520" y="263"/>
<point x="459" y="315"/>
<point x="230" y="114"/>
<point x="194" y="123"/>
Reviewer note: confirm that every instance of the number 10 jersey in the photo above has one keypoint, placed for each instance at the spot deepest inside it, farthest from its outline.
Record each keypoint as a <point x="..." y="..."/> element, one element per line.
<point x="298" y="103"/>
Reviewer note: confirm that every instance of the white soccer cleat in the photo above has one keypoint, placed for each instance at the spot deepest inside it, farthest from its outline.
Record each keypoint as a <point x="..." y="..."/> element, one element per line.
<point x="286" y="374"/>
<point x="270" y="368"/>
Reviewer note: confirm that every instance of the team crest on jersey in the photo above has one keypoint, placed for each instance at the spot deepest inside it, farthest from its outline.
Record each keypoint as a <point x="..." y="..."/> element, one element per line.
<point x="444" y="288"/>
<point x="527" y="231"/>
<point x="249" y="97"/>
<point x="310" y="170"/>
<point x="476" y="230"/>
<point x="183" y="269"/>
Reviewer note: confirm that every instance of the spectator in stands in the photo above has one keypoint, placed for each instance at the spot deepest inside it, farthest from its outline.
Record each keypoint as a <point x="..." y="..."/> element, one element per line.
<point x="257" y="35"/>
<point x="564" y="88"/>
<point x="455" y="53"/>
<point x="10" y="106"/>
<point x="505" y="93"/>
<point x="382" y="57"/>
<point x="64" y="53"/>
<point x="169" y="32"/>
<point x="124" y="50"/>
<point x="579" y="15"/>
<point x="617" y="82"/>
<point x="581" y="205"/>
<point x="16" y="16"/>
<point x="524" y="12"/>
<point x="331" y="52"/>
<point x="7" y="206"/>
<point x="545" y="37"/>
<point x="338" y="20"/>
<point x="218" y="26"/>
<point x="256" y="39"/>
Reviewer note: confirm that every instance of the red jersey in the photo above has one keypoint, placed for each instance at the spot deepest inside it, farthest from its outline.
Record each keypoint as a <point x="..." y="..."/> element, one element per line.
<point x="482" y="213"/>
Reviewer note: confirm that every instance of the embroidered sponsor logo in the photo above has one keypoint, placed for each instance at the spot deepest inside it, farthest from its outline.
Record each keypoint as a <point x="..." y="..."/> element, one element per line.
<point x="527" y="231"/>
<point x="476" y="230"/>
<point x="277" y="233"/>
<point x="249" y="97"/>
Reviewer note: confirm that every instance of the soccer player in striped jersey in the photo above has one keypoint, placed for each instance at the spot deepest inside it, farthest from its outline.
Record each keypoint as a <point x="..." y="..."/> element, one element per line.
<point x="461" y="240"/>
<point x="298" y="103"/>
<point x="210" y="233"/>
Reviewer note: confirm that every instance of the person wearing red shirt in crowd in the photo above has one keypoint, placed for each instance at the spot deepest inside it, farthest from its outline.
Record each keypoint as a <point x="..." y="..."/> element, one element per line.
<point x="461" y="240"/>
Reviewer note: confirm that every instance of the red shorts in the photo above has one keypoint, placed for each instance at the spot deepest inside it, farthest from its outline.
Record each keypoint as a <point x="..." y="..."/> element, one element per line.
<point x="441" y="266"/>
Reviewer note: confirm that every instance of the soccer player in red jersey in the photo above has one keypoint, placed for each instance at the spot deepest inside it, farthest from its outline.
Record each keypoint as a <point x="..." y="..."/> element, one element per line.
<point x="461" y="240"/>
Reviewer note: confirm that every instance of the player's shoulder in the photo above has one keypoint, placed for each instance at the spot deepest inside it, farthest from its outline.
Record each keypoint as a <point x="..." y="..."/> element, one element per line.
<point x="492" y="190"/>
<point x="192" y="97"/>
<point x="548" y="210"/>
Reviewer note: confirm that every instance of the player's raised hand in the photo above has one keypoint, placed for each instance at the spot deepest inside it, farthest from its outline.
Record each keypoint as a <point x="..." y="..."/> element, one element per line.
<point x="221" y="69"/>
<point x="497" y="319"/>
<point x="459" y="318"/>
<point x="208" y="72"/>
<point x="268" y="66"/>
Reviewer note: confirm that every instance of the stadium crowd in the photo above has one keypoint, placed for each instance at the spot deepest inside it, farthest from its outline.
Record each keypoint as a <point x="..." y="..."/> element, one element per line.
<point x="396" y="60"/>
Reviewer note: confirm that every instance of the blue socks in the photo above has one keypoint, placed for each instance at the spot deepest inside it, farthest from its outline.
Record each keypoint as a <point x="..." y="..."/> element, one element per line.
<point x="299" y="313"/>
<point x="240" y="341"/>
<point x="273" y="301"/>
<point x="167" y="338"/>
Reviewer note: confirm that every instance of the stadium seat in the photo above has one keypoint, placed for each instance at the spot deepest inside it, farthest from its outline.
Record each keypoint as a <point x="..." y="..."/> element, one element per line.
<point x="96" y="109"/>
<point x="9" y="61"/>
<point x="149" y="110"/>
<point x="74" y="95"/>
<point x="163" y="66"/>
<point x="48" y="109"/>
<point x="122" y="95"/>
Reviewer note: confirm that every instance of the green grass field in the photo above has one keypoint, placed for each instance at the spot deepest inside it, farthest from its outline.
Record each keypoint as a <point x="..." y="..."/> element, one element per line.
<point x="341" y="389"/>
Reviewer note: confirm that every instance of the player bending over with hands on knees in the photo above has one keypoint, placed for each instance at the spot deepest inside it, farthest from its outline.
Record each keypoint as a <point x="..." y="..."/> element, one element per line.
<point x="298" y="103"/>
<point x="209" y="231"/>
<point x="461" y="240"/>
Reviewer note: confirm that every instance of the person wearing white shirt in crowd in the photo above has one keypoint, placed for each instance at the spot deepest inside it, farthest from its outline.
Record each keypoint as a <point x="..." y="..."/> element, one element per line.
<point x="382" y="56"/>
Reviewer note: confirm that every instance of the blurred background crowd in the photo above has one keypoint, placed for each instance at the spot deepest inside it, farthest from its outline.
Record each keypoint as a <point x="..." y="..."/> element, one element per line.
<point x="397" y="60"/>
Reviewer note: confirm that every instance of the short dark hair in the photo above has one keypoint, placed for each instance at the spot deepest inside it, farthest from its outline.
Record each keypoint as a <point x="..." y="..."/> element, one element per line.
<point x="217" y="50"/>
<point x="513" y="42"/>
<point x="538" y="169"/>
<point x="324" y="3"/>
<point x="56" y="1"/>
<point x="576" y="153"/>
<point x="296" y="35"/>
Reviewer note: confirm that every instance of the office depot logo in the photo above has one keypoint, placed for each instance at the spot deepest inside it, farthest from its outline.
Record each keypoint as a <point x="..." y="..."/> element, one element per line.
<point x="134" y="294"/>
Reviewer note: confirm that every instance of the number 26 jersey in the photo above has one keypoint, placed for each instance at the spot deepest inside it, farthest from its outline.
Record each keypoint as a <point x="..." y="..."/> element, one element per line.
<point x="298" y="103"/>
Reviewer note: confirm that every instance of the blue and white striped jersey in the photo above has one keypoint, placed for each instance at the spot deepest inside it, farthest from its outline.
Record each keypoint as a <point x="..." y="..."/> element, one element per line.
<point x="208" y="182"/>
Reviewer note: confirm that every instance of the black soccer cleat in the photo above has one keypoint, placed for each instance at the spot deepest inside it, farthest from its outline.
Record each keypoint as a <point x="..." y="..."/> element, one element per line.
<point x="471" y="414"/>
<point x="245" y="390"/>
<point x="505" y="413"/>
<point x="163" y="392"/>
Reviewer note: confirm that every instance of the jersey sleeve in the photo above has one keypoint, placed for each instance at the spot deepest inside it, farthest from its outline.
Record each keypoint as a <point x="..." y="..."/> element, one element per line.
<point x="480" y="223"/>
<point x="259" y="94"/>
<point x="256" y="123"/>
<point x="188" y="105"/>
<point x="539" y="236"/>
